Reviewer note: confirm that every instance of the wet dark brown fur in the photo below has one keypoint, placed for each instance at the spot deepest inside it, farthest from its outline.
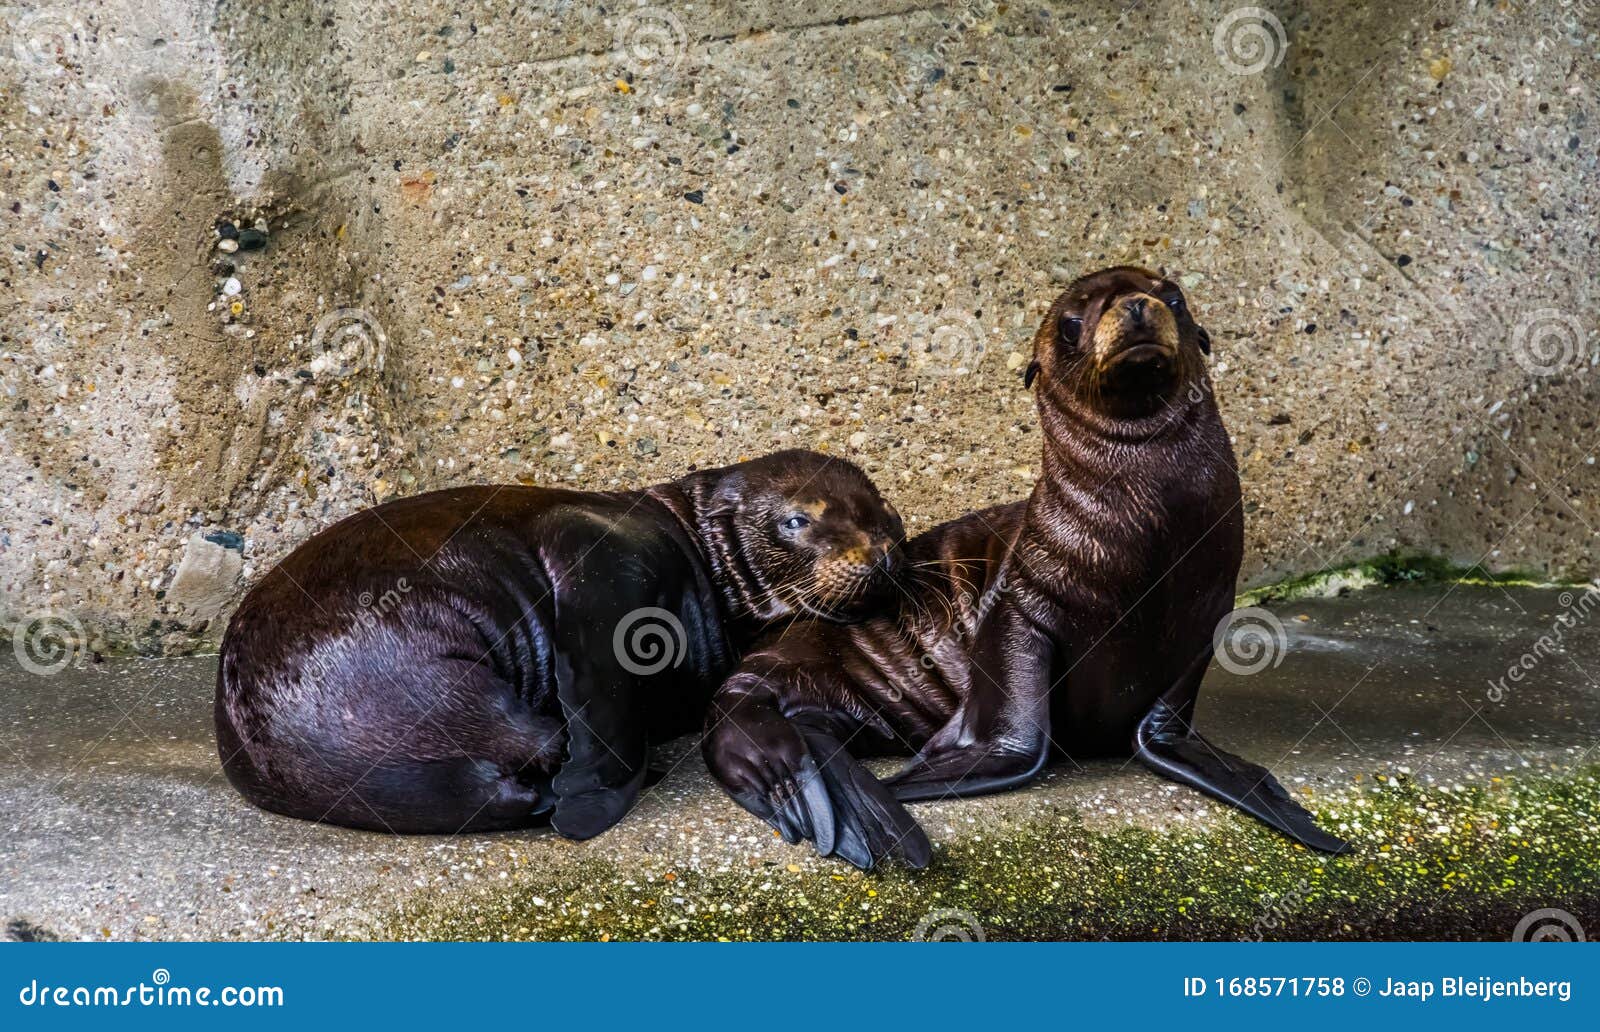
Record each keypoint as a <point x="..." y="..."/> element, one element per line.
<point x="1081" y="617"/>
<point x="494" y="657"/>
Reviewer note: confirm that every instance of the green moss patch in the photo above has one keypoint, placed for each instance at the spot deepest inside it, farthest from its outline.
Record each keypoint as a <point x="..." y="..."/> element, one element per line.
<point x="1385" y="570"/>
<point x="1431" y="861"/>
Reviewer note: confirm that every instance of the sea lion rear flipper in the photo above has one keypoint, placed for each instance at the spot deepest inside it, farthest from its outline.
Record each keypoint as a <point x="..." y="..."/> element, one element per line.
<point x="1163" y="744"/>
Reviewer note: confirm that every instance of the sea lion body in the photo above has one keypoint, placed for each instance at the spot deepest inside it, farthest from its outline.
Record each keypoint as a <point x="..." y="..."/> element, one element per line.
<point x="495" y="657"/>
<point x="1081" y="618"/>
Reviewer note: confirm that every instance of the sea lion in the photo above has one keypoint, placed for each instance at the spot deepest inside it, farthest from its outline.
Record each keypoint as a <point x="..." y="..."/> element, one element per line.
<point x="1088" y="609"/>
<point x="490" y="657"/>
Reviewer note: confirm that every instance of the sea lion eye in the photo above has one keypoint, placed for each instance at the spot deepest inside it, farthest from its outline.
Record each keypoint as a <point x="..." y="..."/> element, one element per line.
<point x="1175" y="302"/>
<point x="796" y="521"/>
<point x="1071" y="328"/>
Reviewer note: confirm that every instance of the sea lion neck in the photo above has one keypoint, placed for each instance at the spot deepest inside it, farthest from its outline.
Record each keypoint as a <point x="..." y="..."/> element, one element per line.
<point x="712" y="523"/>
<point x="1105" y="480"/>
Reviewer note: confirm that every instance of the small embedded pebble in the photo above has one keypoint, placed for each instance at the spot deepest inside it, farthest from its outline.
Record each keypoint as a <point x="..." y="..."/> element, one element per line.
<point x="227" y="245"/>
<point x="231" y="287"/>
<point x="252" y="240"/>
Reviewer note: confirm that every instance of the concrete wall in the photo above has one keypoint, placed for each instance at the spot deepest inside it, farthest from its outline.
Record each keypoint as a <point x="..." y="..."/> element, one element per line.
<point x="550" y="243"/>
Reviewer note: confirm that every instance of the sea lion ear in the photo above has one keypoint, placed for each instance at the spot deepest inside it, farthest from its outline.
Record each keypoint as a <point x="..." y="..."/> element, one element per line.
<point x="1027" y="378"/>
<point x="1205" y="340"/>
<point x="724" y="500"/>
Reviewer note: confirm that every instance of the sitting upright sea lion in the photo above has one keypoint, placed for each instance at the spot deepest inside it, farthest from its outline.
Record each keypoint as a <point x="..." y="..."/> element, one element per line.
<point x="1083" y="616"/>
<point x="491" y="657"/>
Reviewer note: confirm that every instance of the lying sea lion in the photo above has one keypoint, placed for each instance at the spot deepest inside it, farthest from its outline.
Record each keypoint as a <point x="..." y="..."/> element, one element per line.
<point x="492" y="657"/>
<point x="1083" y="616"/>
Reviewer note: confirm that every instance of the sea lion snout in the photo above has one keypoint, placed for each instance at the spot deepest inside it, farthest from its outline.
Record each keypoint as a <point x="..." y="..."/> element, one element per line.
<point x="1136" y="326"/>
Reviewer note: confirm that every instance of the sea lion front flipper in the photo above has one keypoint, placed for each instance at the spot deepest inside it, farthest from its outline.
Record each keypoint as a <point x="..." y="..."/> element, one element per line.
<point x="1166" y="746"/>
<point x="599" y="691"/>
<point x="872" y="825"/>
<point x="795" y="773"/>
<point x="1000" y="737"/>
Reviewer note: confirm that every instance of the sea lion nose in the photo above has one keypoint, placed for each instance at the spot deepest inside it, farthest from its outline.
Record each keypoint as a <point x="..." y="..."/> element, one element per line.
<point x="1136" y="310"/>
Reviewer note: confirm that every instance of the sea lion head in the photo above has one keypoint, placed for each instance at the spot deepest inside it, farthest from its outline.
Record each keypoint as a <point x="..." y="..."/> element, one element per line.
<point x="1120" y="342"/>
<point x="798" y="532"/>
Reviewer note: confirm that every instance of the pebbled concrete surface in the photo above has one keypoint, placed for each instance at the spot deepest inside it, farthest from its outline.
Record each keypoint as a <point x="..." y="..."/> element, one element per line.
<point x="1469" y="812"/>
<point x="598" y="244"/>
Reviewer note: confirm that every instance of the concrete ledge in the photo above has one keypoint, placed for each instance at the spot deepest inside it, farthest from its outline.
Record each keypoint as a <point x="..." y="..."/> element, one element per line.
<point x="1468" y="812"/>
